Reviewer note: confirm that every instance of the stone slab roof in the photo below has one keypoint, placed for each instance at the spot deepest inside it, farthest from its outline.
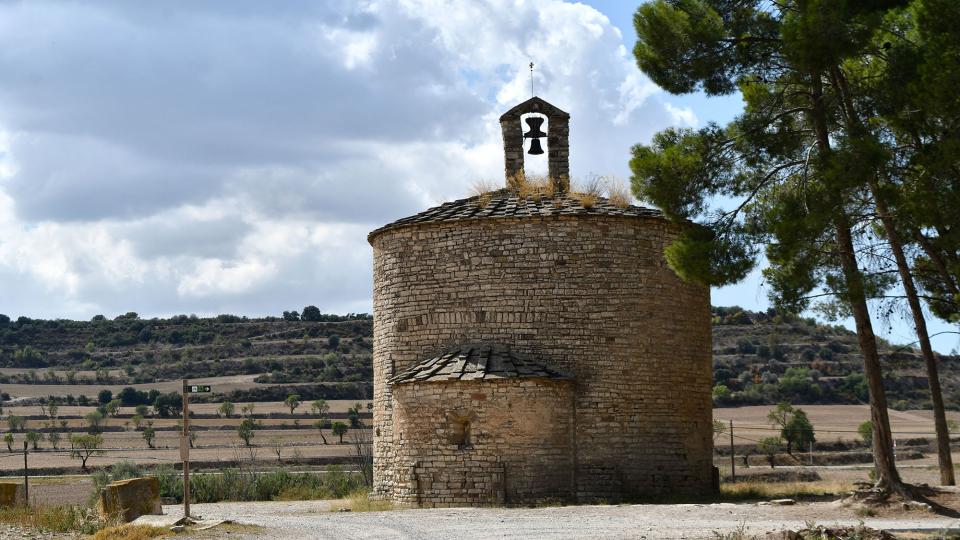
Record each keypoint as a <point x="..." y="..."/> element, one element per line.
<point x="505" y="203"/>
<point x="534" y="105"/>
<point x="474" y="362"/>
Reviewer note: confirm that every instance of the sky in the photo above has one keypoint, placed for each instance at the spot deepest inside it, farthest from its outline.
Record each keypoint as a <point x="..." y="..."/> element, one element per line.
<point x="230" y="157"/>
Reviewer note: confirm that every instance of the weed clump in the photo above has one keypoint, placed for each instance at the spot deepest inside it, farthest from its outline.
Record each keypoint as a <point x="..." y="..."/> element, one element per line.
<point x="130" y="532"/>
<point x="60" y="519"/>
<point x="360" y="501"/>
<point x="540" y="187"/>
<point x="249" y="485"/>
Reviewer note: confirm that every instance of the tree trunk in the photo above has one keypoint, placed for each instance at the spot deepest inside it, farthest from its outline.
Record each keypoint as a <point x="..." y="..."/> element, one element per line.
<point x="888" y="478"/>
<point x="920" y="324"/>
<point x="854" y="125"/>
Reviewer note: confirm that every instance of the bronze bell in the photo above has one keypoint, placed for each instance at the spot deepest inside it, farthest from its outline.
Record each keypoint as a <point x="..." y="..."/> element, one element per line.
<point x="536" y="134"/>
<point x="535" y="148"/>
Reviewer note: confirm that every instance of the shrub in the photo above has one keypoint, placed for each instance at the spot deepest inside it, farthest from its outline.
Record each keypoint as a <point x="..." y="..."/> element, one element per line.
<point x="94" y="422"/>
<point x="16" y="423"/>
<point x="340" y="429"/>
<point x="866" y="432"/>
<point x="722" y="374"/>
<point x="34" y="439"/>
<point x="130" y="397"/>
<point x="84" y="446"/>
<point x="837" y="347"/>
<point x="118" y="471"/>
<point x="769" y="446"/>
<point x="245" y="430"/>
<point x="169" y="404"/>
<point x="226" y="409"/>
<point x="238" y="485"/>
<point x="721" y="394"/>
<point x="745" y="346"/>
<point x="148" y="435"/>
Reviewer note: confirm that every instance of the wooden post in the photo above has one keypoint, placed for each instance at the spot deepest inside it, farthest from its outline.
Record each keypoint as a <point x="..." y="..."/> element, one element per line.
<point x="185" y="452"/>
<point x="733" y="457"/>
<point x="26" y="476"/>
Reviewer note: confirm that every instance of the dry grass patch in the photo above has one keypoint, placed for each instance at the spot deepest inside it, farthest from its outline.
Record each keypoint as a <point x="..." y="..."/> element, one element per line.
<point x="66" y="479"/>
<point x="618" y="193"/>
<point x="131" y="532"/>
<point x="535" y="187"/>
<point x="360" y="501"/>
<point x="587" y="200"/>
<point x="52" y="518"/>
<point x="782" y="490"/>
<point x="587" y="192"/>
<point x="483" y="190"/>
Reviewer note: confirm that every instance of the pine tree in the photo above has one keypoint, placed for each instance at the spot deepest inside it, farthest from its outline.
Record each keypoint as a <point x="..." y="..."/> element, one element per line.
<point x="798" y="172"/>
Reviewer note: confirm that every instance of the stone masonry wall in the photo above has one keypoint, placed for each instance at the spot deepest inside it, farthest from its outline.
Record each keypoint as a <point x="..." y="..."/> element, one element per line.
<point x="520" y="446"/>
<point x="589" y="295"/>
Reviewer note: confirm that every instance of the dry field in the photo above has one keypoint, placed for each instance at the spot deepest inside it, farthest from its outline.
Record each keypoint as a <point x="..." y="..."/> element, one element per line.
<point x="260" y="408"/>
<point x="211" y="447"/>
<point x="216" y="438"/>
<point x="831" y="422"/>
<point x="220" y="384"/>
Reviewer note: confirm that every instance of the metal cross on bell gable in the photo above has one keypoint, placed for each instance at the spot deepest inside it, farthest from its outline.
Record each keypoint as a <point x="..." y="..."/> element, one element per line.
<point x="535" y="133"/>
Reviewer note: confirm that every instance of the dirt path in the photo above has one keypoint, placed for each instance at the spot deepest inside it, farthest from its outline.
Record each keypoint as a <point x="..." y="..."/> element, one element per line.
<point x="314" y="519"/>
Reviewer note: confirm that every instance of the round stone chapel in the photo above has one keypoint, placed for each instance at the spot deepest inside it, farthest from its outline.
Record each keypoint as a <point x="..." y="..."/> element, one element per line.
<point x="536" y="347"/>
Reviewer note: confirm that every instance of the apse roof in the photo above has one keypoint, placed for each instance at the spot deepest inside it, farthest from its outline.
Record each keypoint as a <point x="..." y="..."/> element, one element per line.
<point x="506" y="203"/>
<point x="475" y="362"/>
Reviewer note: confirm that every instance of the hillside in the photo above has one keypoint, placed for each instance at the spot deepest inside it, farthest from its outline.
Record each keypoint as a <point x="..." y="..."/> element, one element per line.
<point x="327" y="356"/>
<point x="763" y="358"/>
<point x="759" y="358"/>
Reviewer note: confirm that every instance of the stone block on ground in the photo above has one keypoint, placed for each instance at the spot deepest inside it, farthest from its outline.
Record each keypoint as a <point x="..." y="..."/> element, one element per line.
<point x="130" y="499"/>
<point x="11" y="494"/>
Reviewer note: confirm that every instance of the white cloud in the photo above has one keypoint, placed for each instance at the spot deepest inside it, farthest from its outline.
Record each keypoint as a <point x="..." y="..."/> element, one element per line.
<point x="233" y="156"/>
<point x="682" y="116"/>
<point x="217" y="277"/>
<point x="355" y="48"/>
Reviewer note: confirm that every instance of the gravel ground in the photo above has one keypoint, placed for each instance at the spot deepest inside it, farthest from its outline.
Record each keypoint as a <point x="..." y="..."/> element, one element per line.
<point x="313" y="519"/>
<point x="12" y="532"/>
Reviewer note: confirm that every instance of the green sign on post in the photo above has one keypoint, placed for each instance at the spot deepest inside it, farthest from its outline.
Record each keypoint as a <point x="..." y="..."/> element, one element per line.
<point x="198" y="388"/>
